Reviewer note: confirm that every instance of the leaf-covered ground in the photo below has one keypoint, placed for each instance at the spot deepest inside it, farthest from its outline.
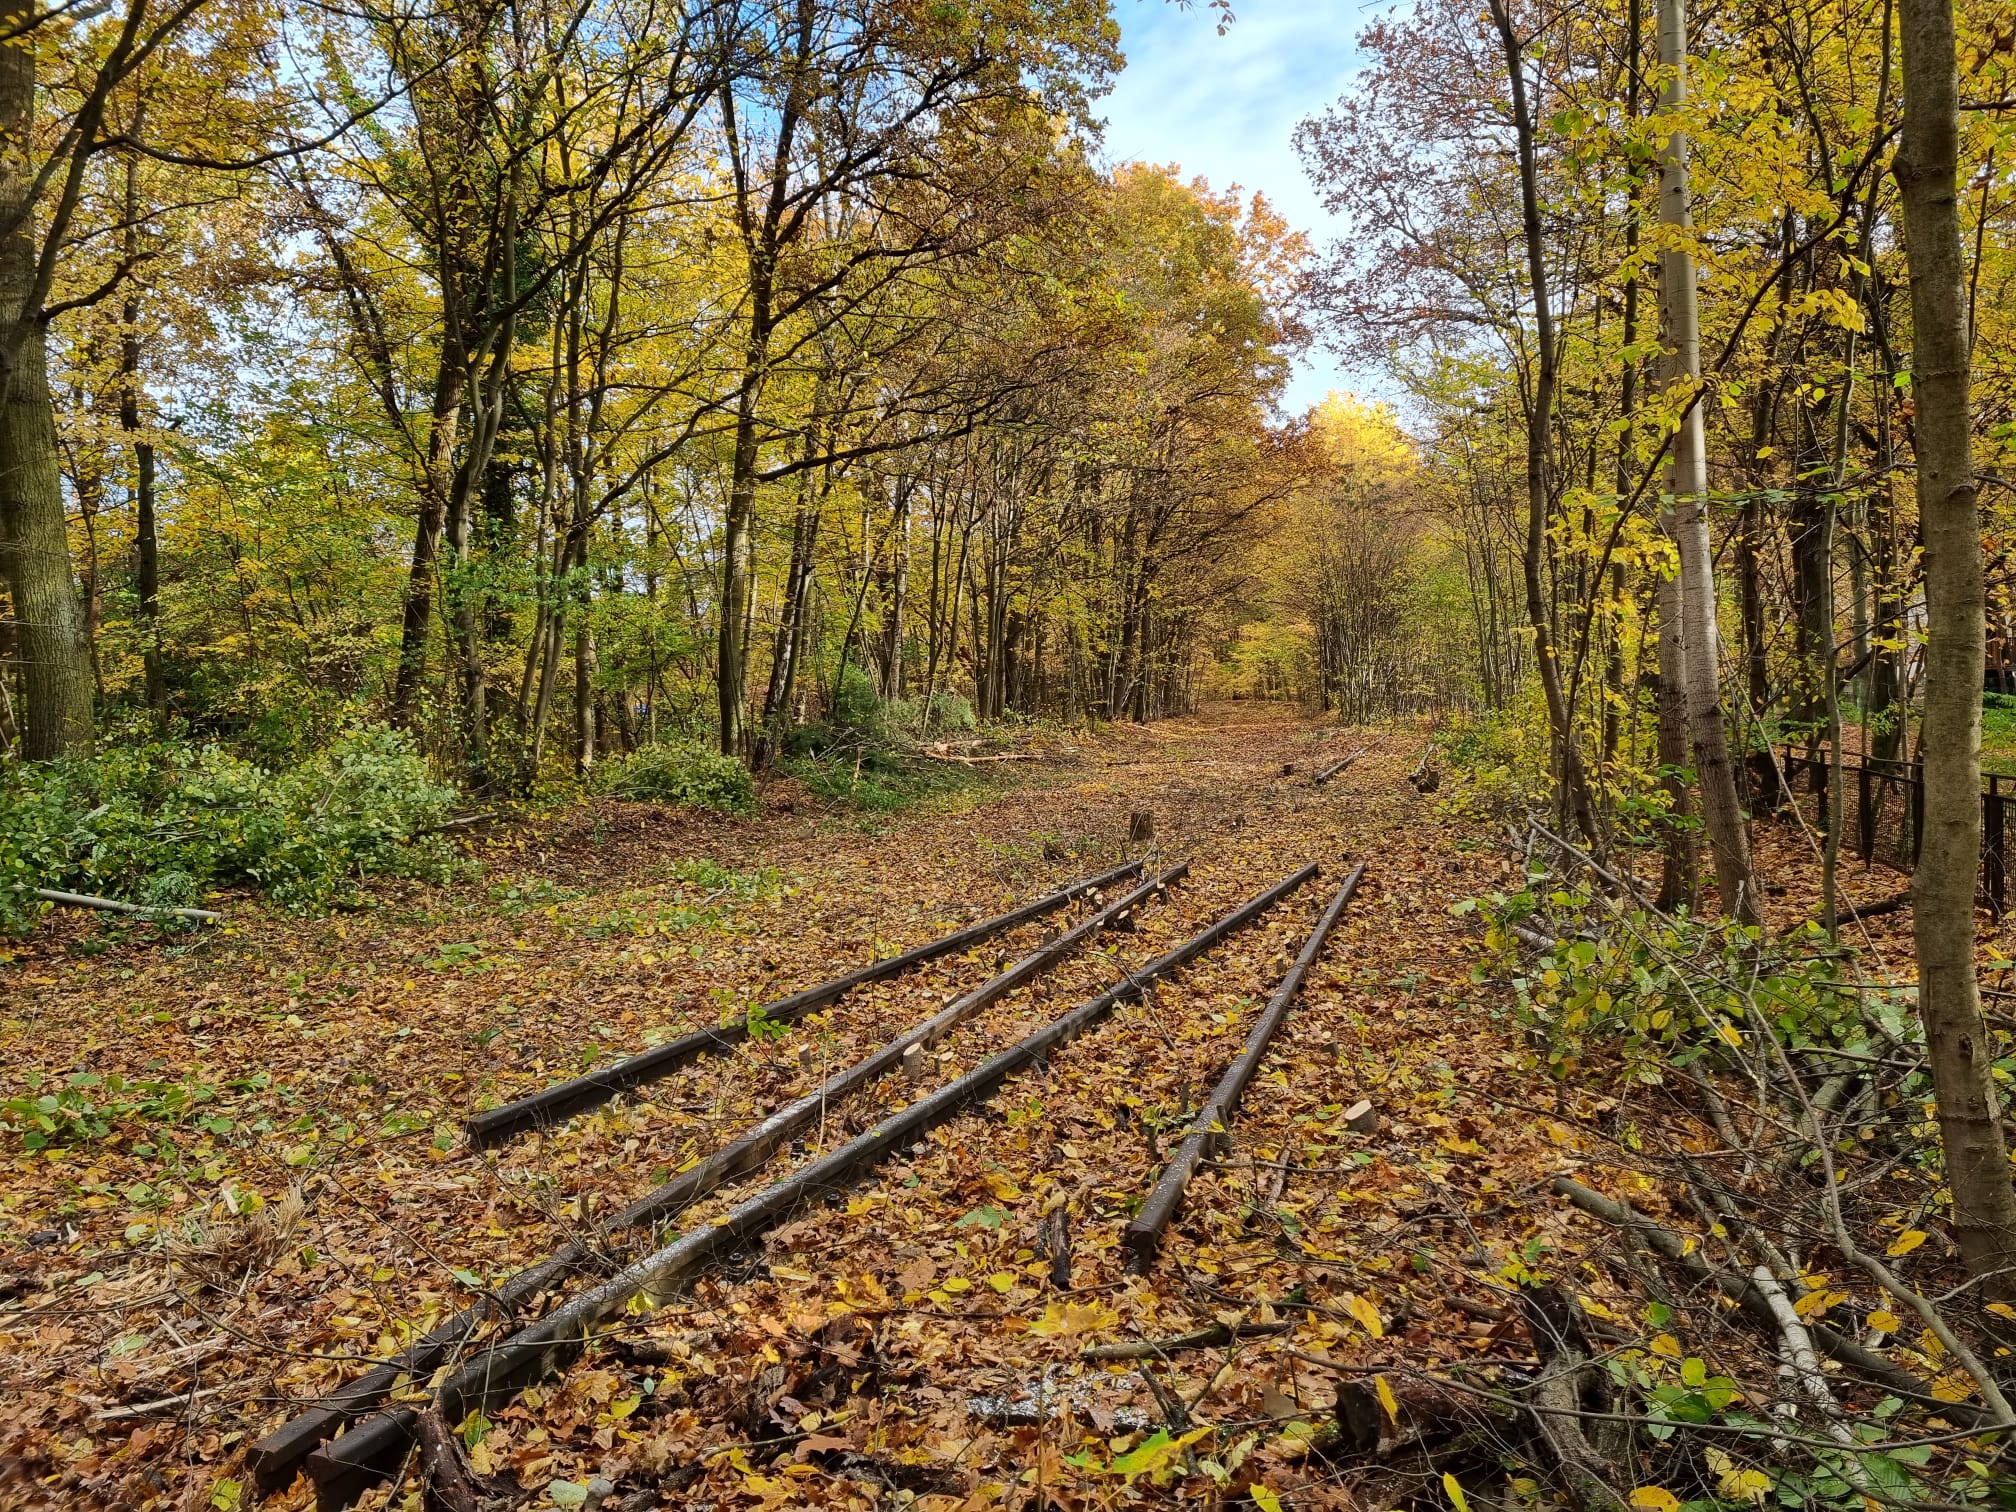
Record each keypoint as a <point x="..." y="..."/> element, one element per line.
<point x="256" y="1188"/>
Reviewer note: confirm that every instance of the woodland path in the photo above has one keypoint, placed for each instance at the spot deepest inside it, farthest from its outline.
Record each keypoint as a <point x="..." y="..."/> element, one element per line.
<point x="912" y="1340"/>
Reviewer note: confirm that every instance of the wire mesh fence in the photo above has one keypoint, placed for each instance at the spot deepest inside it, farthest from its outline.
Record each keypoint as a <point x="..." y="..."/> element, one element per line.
<point x="1880" y="808"/>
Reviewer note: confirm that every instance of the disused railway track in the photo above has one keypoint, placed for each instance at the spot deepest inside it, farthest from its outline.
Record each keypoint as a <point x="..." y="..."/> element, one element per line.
<point x="274" y="1458"/>
<point x="576" y="1095"/>
<point x="378" y="1445"/>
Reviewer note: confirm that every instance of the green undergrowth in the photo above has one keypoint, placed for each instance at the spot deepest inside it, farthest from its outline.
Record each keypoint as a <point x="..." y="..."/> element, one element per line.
<point x="876" y="780"/>
<point x="682" y="772"/>
<point x="1998" y="733"/>
<point x="1630" y="991"/>
<point x="162" y="823"/>
<point x="862" y="756"/>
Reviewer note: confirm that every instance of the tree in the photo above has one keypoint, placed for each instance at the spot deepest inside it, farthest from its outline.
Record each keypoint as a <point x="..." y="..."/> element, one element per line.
<point x="34" y="224"/>
<point x="1970" y="1128"/>
<point x="1700" y="651"/>
<point x="1539" y="400"/>
<point x="850" y="112"/>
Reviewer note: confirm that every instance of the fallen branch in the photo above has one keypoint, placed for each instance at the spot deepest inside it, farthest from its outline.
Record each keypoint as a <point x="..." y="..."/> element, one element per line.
<point x="1201" y="1338"/>
<point x="1745" y="1294"/>
<point x="148" y="1409"/>
<point x="1854" y="912"/>
<point x="980" y="760"/>
<point x="1339" y="765"/>
<point x="597" y="1087"/>
<point x="114" y="905"/>
<point x="494" y="1375"/>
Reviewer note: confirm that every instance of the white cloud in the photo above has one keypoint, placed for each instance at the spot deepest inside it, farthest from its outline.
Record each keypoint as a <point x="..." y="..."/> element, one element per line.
<point x="1226" y="107"/>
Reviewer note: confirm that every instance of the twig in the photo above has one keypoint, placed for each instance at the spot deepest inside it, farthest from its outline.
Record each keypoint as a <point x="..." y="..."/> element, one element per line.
<point x="143" y="1409"/>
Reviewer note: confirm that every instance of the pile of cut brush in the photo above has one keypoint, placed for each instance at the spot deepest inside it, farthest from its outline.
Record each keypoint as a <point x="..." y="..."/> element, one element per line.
<point x="1753" y="1303"/>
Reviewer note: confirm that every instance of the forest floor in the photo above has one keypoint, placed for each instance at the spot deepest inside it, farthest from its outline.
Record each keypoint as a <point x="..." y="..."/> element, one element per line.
<point x="263" y="1190"/>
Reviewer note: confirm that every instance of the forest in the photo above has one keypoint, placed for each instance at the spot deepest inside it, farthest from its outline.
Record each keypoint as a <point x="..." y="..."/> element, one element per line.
<point x="568" y="565"/>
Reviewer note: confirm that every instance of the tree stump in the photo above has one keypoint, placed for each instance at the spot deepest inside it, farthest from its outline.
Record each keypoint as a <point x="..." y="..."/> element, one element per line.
<point x="1140" y="827"/>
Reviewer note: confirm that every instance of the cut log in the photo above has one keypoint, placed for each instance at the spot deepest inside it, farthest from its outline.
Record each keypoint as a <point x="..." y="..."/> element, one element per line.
<point x="114" y="905"/>
<point x="1362" y="1118"/>
<point x="273" y="1459"/>
<point x="597" y="1087"/>
<point x="1144" y="1234"/>
<point x="1341" y="764"/>
<point x="494" y="1375"/>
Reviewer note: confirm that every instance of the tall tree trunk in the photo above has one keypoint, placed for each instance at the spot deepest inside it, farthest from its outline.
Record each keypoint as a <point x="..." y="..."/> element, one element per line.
<point x="417" y="620"/>
<point x="792" y="612"/>
<point x="899" y="589"/>
<point x="1540" y="441"/>
<point x="1977" y="1163"/>
<point x="737" y="550"/>
<point x="585" y="664"/>
<point x="1700" y="656"/>
<point x="146" y="530"/>
<point x="56" y="713"/>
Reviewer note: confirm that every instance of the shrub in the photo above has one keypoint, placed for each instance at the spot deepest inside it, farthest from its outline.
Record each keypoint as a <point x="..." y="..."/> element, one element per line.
<point x="856" y="704"/>
<point x="159" y="823"/>
<point x="946" y="714"/>
<point x="874" y="780"/>
<point x="1499" y="760"/>
<point x="677" y="771"/>
<point x="1642" y="993"/>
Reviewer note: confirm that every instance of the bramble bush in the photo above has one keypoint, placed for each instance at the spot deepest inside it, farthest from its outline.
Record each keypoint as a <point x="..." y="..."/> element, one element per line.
<point x="679" y="771"/>
<point x="159" y="823"/>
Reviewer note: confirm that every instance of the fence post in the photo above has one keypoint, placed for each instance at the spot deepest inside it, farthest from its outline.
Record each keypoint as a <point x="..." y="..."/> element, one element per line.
<point x="1865" y="813"/>
<point x="1993" y="860"/>
<point x="1915" y="787"/>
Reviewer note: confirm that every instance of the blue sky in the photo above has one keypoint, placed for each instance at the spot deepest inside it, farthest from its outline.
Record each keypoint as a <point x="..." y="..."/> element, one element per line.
<point x="1226" y="107"/>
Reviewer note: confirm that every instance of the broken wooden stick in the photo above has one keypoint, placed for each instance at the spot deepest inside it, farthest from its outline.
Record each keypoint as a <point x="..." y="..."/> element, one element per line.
<point x="597" y="1087"/>
<point x="493" y="1375"/>
<point x="1144" y="1234"/>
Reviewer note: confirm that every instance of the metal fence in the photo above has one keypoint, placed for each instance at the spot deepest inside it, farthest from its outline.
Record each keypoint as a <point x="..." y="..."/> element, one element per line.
<point x="1882" y="811"/>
